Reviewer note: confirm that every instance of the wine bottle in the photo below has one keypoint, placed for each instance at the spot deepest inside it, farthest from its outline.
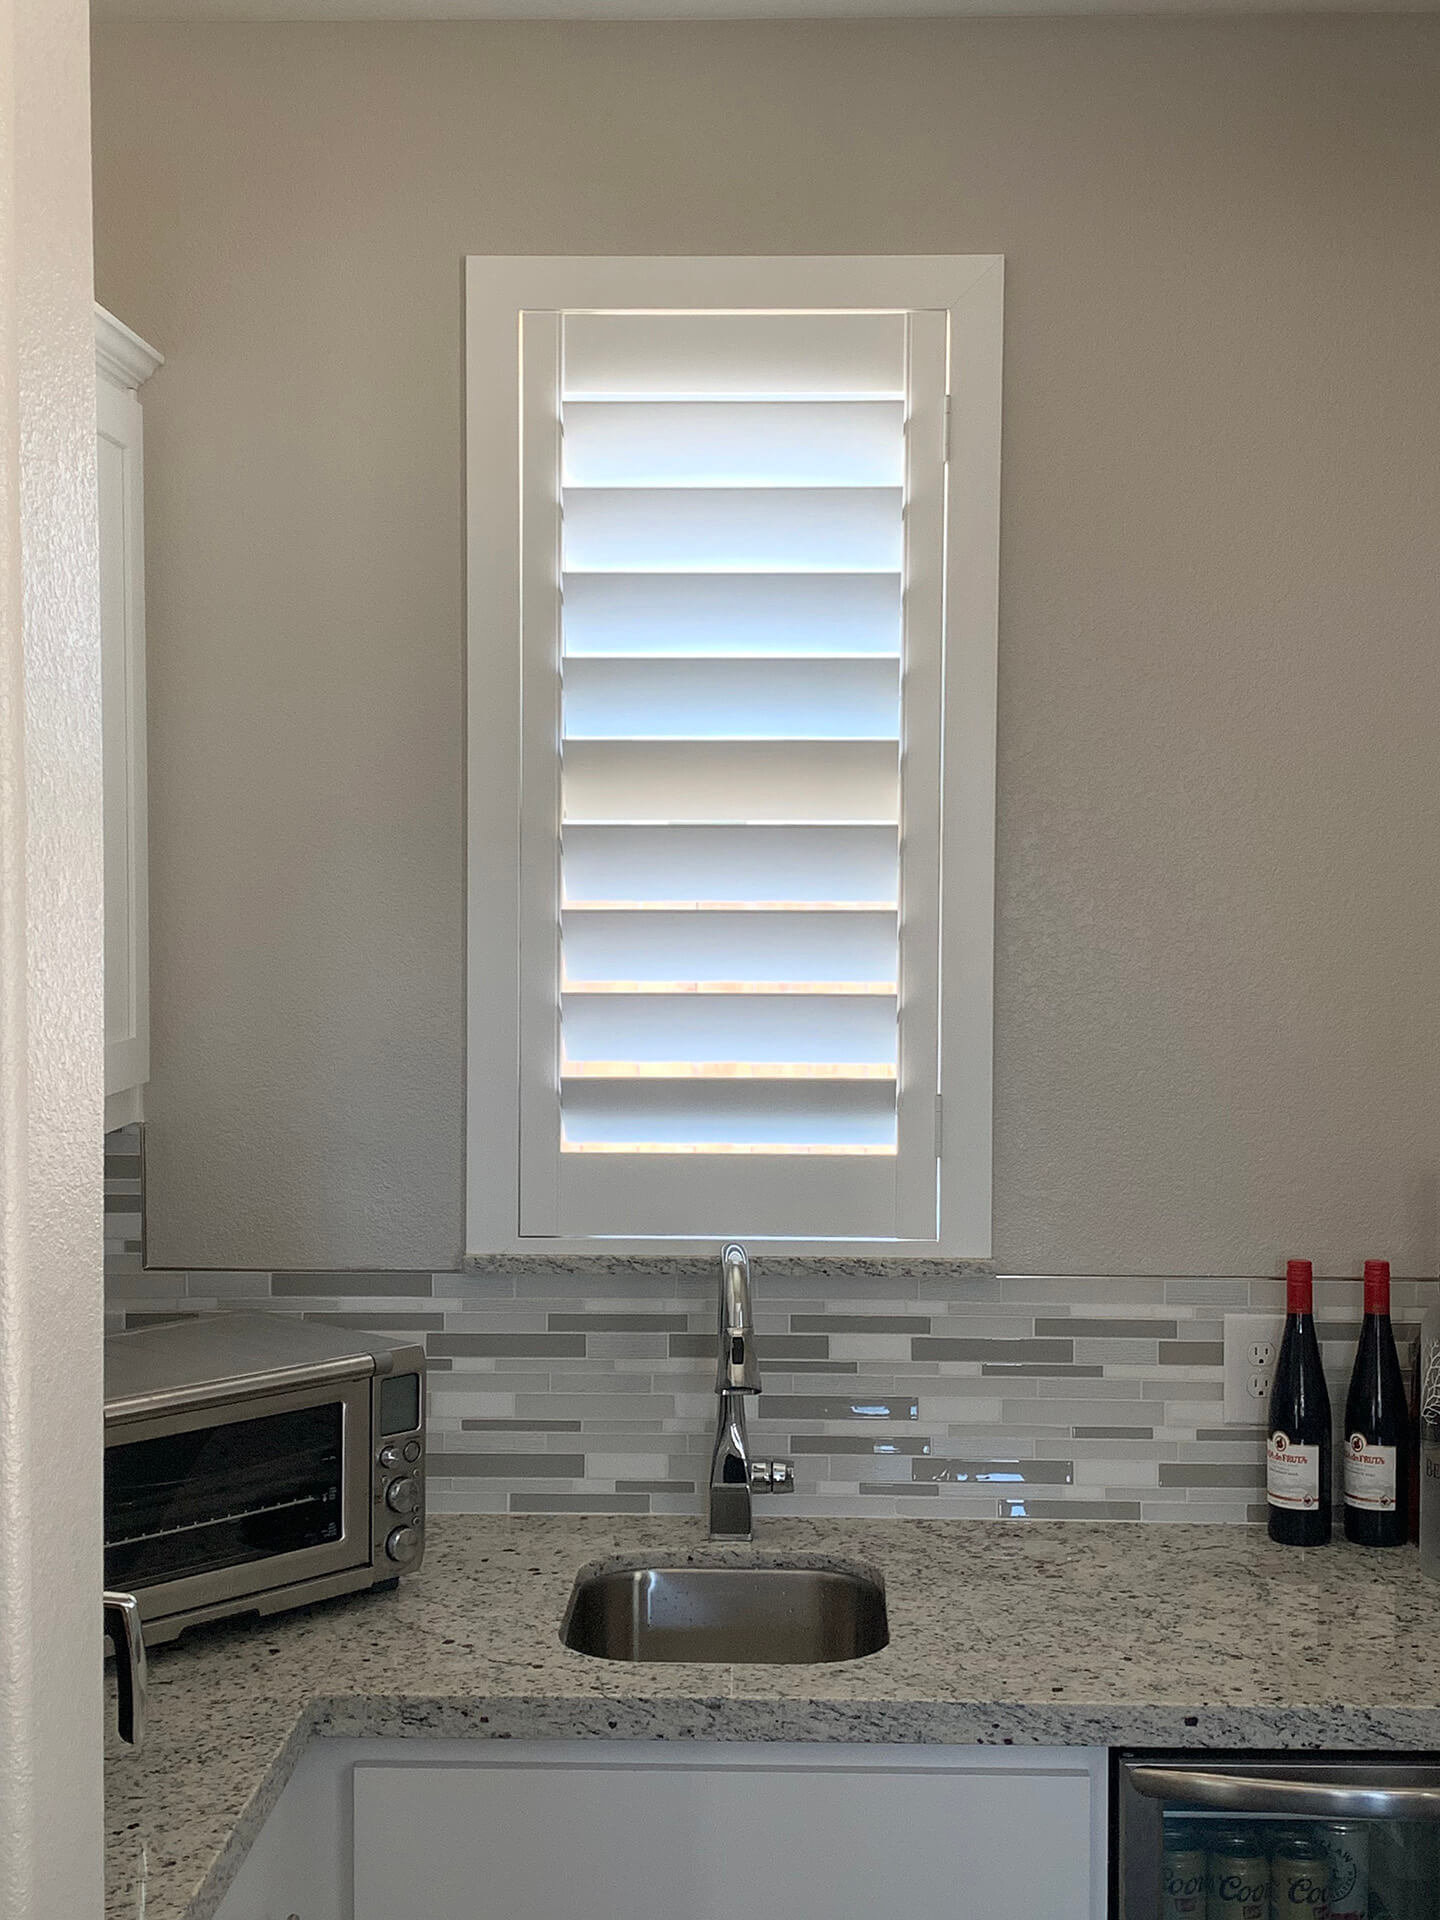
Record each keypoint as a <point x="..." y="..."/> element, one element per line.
<point x="1297" y="1453"/>
<point x="1377" y="1426"/>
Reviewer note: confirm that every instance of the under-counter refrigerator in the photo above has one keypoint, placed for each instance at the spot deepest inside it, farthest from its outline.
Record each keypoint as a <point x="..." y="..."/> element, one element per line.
<point x="1288" y="1836"/>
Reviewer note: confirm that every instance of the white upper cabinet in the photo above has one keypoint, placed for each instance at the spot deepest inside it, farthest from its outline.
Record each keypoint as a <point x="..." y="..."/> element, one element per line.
<point x="123" y="363"/>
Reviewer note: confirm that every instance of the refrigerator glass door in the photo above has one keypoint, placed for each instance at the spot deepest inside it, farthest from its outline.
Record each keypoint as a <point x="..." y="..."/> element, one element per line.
<point x="1248" y="1839"/>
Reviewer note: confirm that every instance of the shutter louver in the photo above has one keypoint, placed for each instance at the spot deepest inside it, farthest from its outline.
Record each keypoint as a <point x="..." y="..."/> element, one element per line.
<point x="735" y="526"/>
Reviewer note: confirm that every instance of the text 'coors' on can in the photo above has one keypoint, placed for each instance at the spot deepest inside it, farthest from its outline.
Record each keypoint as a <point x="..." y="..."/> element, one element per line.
<point x="1299" y="1878"/>
<point x="1239" y="1876"/>
<point x="1182" y="1874"/>
<point x="1347" y="1845"/>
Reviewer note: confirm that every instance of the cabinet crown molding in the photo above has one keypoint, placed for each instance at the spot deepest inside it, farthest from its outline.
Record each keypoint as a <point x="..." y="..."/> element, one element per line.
<point x="120" y="353"/>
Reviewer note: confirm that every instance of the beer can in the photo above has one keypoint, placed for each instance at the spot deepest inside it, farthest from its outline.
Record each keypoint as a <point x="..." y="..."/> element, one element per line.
<point x="1299" y="1878"/>
<point x="1182" y="1874"/>
<point x="1239" y="1876"/>
<point x="1347" y="1845"/>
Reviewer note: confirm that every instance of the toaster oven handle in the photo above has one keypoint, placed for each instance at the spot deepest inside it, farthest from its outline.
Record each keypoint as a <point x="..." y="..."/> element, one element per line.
<point x="1251" y="1793"/>
<point x="122" y="1624"/>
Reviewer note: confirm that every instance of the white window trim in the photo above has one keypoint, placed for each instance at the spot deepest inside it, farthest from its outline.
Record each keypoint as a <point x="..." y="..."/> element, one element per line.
<point x="498" y="290"/>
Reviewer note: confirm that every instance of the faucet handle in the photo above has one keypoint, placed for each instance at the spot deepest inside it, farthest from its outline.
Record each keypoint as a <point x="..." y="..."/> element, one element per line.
<point x="772" y="1476"/>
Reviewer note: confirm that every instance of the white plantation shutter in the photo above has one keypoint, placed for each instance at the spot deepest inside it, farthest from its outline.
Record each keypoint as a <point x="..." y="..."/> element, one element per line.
<point x="733" y="562"/>
<point x="732" y="581"/>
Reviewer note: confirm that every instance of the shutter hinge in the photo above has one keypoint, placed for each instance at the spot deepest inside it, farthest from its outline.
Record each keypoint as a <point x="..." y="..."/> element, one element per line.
<point x="939" y="1126"/>
<point x="948" y="416"/>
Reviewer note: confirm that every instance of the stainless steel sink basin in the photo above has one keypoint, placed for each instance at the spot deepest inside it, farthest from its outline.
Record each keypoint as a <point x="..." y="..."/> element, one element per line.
<point x="774" y="1615"/>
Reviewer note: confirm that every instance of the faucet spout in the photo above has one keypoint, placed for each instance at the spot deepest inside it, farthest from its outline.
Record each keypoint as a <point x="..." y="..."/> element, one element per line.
<point x="738" y="1369"/>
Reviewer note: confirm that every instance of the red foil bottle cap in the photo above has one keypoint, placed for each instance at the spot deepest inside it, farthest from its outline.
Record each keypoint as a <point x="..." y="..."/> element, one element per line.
<point x="1377" y="1286"/>
<point x="1299" y="1286"/>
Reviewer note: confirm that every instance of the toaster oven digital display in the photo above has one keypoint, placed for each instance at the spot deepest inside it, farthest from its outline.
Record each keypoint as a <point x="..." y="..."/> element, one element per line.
<point x="400" y="1403"/>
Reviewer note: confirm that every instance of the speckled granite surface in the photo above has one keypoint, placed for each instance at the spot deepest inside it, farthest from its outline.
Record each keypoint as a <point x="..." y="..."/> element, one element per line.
<point x="1034" y="1632"/>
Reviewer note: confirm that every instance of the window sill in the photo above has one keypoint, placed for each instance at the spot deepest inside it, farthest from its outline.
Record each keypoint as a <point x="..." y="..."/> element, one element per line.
<point x="684" y="1262"/>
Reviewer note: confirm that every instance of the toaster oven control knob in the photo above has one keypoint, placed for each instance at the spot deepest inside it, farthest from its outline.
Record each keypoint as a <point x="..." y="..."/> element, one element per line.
<point x="403" y="1495"/>
<point x="403" y="1546"/>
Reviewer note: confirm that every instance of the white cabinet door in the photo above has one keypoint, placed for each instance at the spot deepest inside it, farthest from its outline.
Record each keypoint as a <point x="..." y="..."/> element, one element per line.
<point x="123" y="361"/>
<point x="780" y="1834"/>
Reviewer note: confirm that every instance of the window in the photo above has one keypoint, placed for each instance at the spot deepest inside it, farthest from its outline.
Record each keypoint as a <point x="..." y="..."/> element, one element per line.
<point x="732" y="575"/>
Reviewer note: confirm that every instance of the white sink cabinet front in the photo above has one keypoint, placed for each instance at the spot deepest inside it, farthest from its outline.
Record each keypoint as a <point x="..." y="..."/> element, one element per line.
<point x="662" y="1830"/>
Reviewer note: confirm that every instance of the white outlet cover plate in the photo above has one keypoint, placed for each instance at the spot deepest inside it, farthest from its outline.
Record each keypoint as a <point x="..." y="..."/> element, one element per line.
<point x="1244" y="1408"/>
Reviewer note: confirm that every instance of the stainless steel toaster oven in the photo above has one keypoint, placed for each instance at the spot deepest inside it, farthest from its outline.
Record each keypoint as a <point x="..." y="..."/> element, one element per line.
<point x="255" y="1462"/>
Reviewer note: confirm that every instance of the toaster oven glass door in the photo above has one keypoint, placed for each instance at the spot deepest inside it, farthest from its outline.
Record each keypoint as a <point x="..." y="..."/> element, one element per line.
<point x="210" y="1505"/>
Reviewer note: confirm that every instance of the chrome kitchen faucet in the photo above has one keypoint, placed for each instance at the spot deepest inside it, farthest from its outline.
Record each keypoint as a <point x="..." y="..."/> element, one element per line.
<point x="734" y="1477"/>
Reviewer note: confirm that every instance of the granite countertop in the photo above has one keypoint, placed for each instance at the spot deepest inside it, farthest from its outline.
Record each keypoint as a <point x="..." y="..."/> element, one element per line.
<point x="1034" y="1632"/>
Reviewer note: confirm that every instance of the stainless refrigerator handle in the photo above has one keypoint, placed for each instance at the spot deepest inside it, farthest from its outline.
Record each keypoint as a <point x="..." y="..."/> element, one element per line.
<point x="122" y="1624"/>
<point x="1255" y="1793"/>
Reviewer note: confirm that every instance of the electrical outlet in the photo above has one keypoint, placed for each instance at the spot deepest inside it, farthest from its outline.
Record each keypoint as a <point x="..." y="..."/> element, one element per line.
<point x="1252" y="1345"/>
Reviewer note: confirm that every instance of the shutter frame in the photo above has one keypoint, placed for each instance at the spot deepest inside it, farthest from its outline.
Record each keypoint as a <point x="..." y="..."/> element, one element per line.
<point x="541" y="772"/>
<point x="845" y="1205"/>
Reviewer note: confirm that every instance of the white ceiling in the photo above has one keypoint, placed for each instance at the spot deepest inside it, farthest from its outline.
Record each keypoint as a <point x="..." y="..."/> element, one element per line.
<point x="703" y="9"/>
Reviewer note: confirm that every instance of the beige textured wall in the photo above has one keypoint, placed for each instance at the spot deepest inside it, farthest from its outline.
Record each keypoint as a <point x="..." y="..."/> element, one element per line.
<point x="52" y="1069"/>
<point x="1219" y="919"/>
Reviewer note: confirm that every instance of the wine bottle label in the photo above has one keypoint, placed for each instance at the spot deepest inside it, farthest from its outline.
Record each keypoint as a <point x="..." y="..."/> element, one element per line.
<point x="1369" y="1475"/>
<point x="1430" y="1378"/>
<point x="1292" y="1474"/>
